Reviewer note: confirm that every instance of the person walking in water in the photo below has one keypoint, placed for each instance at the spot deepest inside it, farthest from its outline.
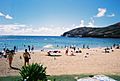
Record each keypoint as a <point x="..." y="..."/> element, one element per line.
<point x="15" y="48"/>
<point x="29" y="48"/>
<point x="32" y="49"/>
<point x="26" y="56"/>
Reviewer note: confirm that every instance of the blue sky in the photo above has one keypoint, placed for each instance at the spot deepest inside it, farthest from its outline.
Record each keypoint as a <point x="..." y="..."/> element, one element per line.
<point x="53" y="17"/>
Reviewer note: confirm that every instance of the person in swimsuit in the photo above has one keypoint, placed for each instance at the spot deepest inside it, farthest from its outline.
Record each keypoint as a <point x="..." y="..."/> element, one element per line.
<point x="10" y="55"/>
<point x="26" y="56"/>
<point x="66" y="52"/>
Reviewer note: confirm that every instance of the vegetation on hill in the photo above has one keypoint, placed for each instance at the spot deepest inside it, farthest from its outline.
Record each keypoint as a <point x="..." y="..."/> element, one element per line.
<point x="112" y="31"/>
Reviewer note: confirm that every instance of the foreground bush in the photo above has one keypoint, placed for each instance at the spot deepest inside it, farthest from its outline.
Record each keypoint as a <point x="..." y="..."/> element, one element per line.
<point x="33" y="72"/>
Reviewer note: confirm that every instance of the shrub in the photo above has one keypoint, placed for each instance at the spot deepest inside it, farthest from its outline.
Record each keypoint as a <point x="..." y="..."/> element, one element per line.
<point x="33" y="72"/>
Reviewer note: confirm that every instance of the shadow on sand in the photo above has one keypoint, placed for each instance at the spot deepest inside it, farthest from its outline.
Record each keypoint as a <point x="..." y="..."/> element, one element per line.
<point x="15" y="68"/>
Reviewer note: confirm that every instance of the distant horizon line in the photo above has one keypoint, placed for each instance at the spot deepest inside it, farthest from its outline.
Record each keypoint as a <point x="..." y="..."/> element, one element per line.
<point x="32" y="35"/>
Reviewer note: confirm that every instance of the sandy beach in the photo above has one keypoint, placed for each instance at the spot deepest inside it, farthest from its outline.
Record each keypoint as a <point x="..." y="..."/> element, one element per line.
<point x="96" y="62"/>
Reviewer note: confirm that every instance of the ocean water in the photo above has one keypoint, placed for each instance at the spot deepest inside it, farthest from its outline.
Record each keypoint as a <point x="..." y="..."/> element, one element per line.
<point x="46" y="42"/>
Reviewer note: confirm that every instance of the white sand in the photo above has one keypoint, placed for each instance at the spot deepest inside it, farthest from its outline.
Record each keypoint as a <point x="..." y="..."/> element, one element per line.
<point x="97" y="62"/>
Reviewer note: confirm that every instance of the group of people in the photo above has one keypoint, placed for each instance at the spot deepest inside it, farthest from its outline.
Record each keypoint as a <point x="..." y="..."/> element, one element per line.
<point x="71" y="51"/>
<point x="9" y="54"/>
<point x="117" y="46"/>
<point x="108" y="49"/>
<point x="30" y="48"/>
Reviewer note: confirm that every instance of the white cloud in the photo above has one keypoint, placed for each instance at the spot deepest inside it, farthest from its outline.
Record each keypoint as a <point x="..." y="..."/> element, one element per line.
<point x="8" y="17"/>
<point x="111" y="15"/>
<point x="1" y="14"/>
<point x="101" y="12"/>
<point x="73" y="25"/>
<point x="11" y="28"/>
<point x="91" y="23"/>
<point x="21" y="29"/>
<point x="82" y="23"/>
<point x="92" y="20"/>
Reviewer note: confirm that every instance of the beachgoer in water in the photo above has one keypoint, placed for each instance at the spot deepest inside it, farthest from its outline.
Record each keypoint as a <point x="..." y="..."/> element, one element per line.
<point x="114" y="45"/>
<point x="24" y="45"/>
<point x="88" y="47"/>
<point x="15" y="48"/>
<point x="83" y="46"/>
<point x="6" y="53"/>
<point x="29" y="48"/>
<point x="26" y="56"/>
<point x="4" y="49"/>
<point x="32" y="49"/>
<point x="10" y="56"/>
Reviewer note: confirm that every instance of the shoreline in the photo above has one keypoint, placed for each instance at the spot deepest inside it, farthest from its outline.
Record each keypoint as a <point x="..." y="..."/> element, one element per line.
<point x="39" y="50"/>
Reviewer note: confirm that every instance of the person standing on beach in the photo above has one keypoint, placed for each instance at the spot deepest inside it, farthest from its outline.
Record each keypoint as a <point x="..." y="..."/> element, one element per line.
<point x="66" y="52"/>
<point x="26" y="56"/>
<point x="4" y="52"/>
<point x="10" y="56"/>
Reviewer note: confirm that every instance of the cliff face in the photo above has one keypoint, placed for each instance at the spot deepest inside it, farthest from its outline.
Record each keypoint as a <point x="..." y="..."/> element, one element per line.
<point x="112" y="31"/>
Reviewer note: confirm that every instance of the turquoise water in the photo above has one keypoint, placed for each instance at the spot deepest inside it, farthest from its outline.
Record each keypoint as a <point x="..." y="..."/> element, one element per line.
<point x="40" y="42"/>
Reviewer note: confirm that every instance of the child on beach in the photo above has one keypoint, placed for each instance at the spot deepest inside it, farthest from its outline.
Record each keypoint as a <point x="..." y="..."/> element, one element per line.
<point x="26" y="56"/>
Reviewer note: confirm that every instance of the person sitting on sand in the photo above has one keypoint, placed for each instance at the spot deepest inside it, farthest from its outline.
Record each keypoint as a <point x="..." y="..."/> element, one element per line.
<point x="26" y="56"/>
<point x="72" y="54"/>
<point x="10" y="56"/>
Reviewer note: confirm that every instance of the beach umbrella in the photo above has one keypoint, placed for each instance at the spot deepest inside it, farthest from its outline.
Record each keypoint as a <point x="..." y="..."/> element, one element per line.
<point x="48" y="46"/>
